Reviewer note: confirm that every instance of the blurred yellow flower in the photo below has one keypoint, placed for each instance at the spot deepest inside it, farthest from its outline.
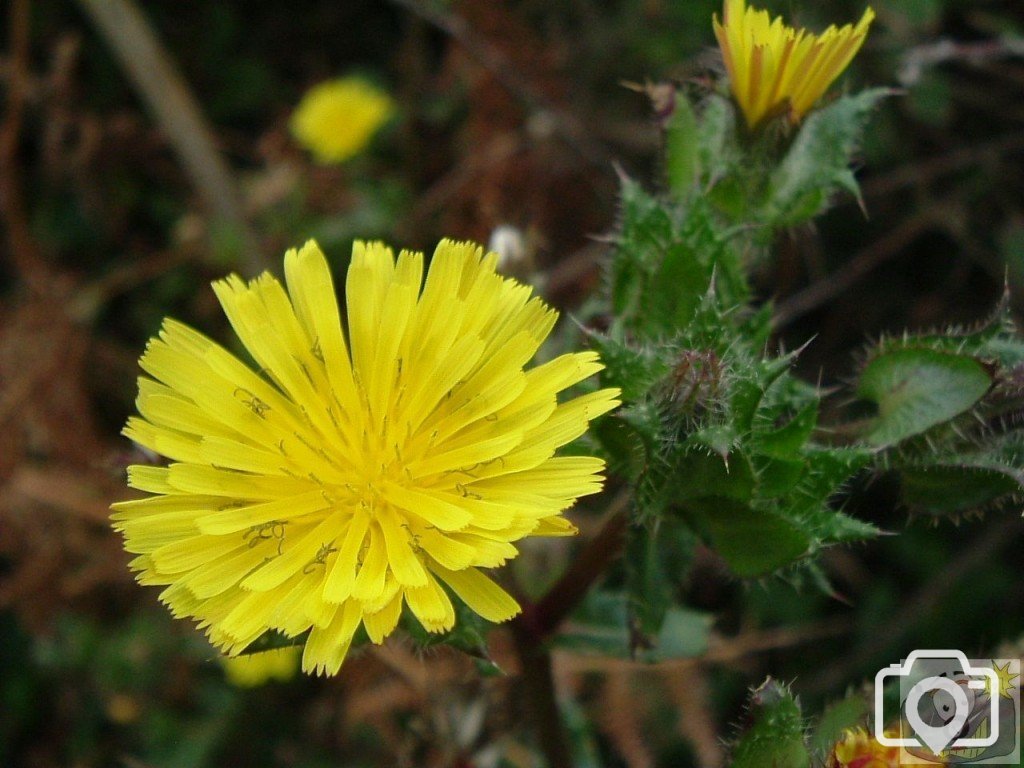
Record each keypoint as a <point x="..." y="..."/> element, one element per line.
<point x="254" y="669"/>
<point x="347" y="480"/>
<point x="336" y="120"/>
<point x="775" y="69"/>
<point x="859" y="749"/>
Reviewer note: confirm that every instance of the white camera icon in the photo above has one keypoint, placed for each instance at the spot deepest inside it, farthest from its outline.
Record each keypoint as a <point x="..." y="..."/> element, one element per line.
<point x="950" y="701"/>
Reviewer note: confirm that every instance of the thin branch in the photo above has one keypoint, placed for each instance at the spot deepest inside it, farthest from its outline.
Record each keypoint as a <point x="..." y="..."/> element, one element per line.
<point x="25" y="252"/>
<point x="543" y="618"/>
<point x="721" y="650"/>
<point x="539" y="690"/>
<point x="915" y="61"/>
<point x="492" y="60"/>
<point x="867" y="260"/>
<point x="157" y="79"/>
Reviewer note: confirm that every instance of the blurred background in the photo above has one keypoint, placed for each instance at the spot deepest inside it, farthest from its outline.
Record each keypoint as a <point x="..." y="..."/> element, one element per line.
<point x="145" y="150"/>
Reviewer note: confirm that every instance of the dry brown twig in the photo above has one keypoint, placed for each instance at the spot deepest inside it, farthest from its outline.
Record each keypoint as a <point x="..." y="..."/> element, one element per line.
<point x="162" y="87"/>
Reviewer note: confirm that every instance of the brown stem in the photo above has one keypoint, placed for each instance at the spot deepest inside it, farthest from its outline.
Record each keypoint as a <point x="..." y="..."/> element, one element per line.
<point x="158" y="80"/>
<point x="539" y="691"/>
<point x="537" y="621"/>
<point x="561" y="599"/>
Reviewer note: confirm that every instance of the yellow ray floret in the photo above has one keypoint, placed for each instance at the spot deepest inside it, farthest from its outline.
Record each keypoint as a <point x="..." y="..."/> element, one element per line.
<point x="859" y="749"/>
<point x="355" y="475"/>
<point x="337" y="119"/>
<point x="255" y="669"/>
<point x="775" y="69"/>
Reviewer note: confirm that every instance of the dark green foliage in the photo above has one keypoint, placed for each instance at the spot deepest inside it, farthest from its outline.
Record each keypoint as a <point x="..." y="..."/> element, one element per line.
<point x="915" y="389"/>
<point x="817" y="163"/>
<point x="948" y="416"/>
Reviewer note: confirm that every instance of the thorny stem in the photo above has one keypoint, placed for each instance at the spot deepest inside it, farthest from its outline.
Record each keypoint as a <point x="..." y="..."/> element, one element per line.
<point x="537" y="621"/>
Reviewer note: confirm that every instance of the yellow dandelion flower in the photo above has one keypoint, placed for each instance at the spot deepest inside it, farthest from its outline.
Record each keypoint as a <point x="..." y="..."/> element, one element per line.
<point x="255" y="669"/>
<point x="775" y="69"/>
<point x="336" y="120"/>
<point x="350" y="479"/>
<point x="859" y="749"/>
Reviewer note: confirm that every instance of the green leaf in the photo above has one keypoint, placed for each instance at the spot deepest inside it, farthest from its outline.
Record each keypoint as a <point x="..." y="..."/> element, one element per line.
<point x="682" y="148"/>
<point x="601" y="625"/>
<point x="656" y="562"/>
<point x="947" y="489"/>
<point x="916" y="389"/>
<point x="646" y="227"/>
<point x="784" y="419"/>
<point x="753" y="542"/>
<point x="776" y="738"/>
<point x="715" y="138"/>
<point x="700" y="474"/>
<point x="817" y="163"/>
<point x="632" y="368"/>
<point x="684" y="634"/>
<point x="838" y="717"/>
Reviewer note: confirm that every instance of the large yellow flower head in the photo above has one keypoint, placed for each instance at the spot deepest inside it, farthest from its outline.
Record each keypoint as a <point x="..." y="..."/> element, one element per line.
<point x="336" y="120"/>
<point x="346" y="479"/>
<point x="775" y="69"/>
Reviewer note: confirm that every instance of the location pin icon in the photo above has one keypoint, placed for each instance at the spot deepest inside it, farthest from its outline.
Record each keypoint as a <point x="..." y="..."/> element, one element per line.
<point x="937" y="738"/>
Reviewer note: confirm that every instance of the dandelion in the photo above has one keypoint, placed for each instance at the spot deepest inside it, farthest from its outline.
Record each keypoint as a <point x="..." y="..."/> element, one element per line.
<point x="776" y="69"/>
<point x="255" y="669"/>
<point x="336" y="120"/>
<point x="350" y="479"/>
<point x="859" y="749"/>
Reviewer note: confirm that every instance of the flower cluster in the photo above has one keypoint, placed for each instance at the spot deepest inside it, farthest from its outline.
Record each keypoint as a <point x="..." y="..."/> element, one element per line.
<point x="775" y="69"/>
<point x="336" y="120"/>
<point x="357" y="473"/>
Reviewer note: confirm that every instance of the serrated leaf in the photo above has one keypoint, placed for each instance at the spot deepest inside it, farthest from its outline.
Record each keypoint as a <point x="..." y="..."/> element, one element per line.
<point x="632" y="368"/>
<point x="715" y="133"/>
<point x="781" y="438"/>
<point x="947" y="489"/>
<point x="753" y="542"/>
<point x="817" y="163"/>
<point x="700" y="474"/>
<point x="682" y="148"/>
<point x="720" y="439"/>
<point x="776" y="477"/>
<point x="916" y="389"/>
<point x="656" y="562"/>
<point x="623" y="445"/>
<point x="646" y="227"/>
<point x="839" y="716"/>
<point x="649" y="588"/>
